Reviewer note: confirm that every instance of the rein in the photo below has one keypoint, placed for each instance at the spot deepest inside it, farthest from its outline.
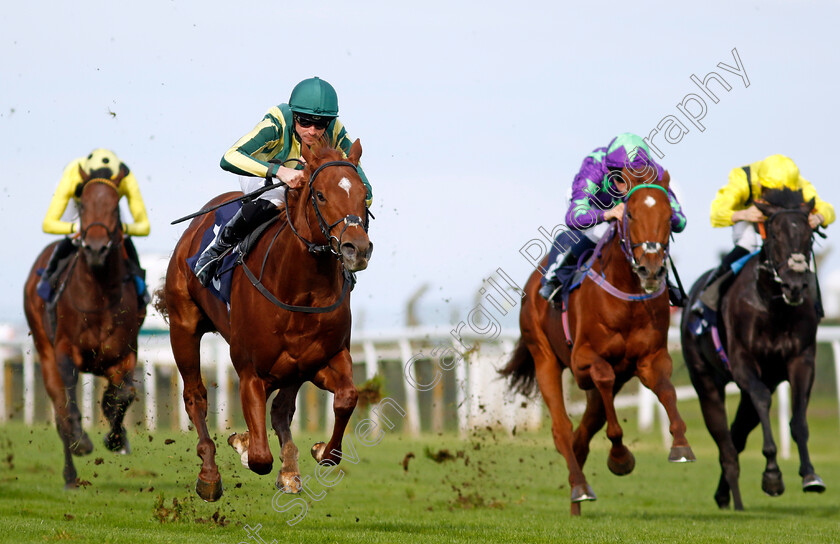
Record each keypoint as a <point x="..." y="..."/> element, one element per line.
<point x="626" y="244"/>
<point x="326" y="229"/>
<point x="349" y="220"/>
<point x="769" y="243"/>
<point x="627" y="248"/>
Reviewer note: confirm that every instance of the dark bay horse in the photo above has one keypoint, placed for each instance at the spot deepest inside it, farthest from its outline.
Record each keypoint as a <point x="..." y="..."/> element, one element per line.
<point x="98" y="317"/>
<point x="767" y="327"/>
<point x="274" y="348"/>
<point x="611" y="337"/>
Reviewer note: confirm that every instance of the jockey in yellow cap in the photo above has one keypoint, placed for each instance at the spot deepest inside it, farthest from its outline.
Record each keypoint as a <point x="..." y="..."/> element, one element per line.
<point x="62" y="214"/>
<point x="733" y="206"/>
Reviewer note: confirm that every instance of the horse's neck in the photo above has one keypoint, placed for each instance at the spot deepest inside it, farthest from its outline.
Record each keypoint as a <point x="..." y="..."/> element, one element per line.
<point x="297" y="269"/>
<point x="616" y="268"/>
<point x="105" y="280"/>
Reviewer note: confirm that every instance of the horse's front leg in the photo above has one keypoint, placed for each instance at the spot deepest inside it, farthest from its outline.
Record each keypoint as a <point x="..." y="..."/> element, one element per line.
<point x="62" y="392"/>
<point x="185" y="348"/>
<point x="602" y="374"/>
<point x="253" y="396"/>
<point x="745" y="376"/>
<point x="801" y="376"/>
<point x="654" y="372"/>
<point x="337" y="378"/>
<point x="282" y="412"/>
<point x="118" y="396"/>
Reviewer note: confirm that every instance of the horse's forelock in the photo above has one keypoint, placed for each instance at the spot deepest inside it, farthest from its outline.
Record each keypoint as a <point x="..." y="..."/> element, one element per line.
<point x="783" y="198"/>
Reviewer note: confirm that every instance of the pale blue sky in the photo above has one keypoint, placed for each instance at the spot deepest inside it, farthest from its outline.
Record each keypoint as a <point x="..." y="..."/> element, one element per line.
<point x="473" y="117"/>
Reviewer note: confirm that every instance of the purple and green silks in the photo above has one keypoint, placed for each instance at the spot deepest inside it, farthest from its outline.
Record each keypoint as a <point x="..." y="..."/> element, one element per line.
<point x="593" y="192"/>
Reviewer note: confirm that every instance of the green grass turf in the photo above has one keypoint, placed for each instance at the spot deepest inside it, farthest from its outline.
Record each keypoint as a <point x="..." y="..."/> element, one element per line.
<point x="498" y="488"/>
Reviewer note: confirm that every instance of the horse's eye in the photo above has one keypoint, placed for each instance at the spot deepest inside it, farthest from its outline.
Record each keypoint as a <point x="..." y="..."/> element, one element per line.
<point x="320" y="196"/>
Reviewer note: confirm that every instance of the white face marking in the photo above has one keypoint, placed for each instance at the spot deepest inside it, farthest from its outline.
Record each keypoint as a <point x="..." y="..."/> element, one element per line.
<point x="345" y="184"/>
<point x="650" y="201"/>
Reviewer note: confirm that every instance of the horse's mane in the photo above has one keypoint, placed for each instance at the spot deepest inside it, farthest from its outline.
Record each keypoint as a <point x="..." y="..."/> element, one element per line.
<point x="293" y="196"/>
<point x="784" y="198"/>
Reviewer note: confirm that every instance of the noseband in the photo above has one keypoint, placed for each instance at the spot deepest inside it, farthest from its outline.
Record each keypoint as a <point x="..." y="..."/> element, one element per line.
<point x="113" y="235"/>
<point x="770" y="242"/>
<point x="627" y="246"/>
<point x="348" y="220"/>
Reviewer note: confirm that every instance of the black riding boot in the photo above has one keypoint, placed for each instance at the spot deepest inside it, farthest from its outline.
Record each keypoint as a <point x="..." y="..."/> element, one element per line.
<point x="553" y="282"/>
<point x="137" y="272"/>
<point x="64" y="249"/>
<point x="717" y="283"/>
<point x="249" y="216"/>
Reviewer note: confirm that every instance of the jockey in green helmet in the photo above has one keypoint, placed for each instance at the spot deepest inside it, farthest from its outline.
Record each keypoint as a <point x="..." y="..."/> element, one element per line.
<point x="273" y="150"/>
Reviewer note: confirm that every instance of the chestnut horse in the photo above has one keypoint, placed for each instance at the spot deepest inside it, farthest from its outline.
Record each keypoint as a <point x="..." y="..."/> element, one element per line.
<point x="618" y="328"/>
<point x="98" y="317"/>
<point x="304" y="261"/>
<point x="767" y="333"/>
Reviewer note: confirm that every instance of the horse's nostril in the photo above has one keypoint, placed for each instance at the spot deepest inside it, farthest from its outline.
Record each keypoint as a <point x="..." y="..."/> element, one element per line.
<point x="348" y="250"/>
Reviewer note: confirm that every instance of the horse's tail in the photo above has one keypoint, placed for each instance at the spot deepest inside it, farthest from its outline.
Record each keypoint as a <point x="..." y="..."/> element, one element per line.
<point x="160" y="304"/>
<point x="520" y="371"/>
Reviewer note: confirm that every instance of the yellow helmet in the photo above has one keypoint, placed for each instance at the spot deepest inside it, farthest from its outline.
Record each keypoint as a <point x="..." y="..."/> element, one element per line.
<point x="102" y="160"/>
<point x="777" y="171"/>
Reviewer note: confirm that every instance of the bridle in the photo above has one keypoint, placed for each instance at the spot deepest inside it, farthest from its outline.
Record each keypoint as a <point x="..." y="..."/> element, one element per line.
<point x="627" y="245"/>
<point x="770" y="242"/>
<point x="326" y="228"/>
<point x="348" y="220"/>
<point x="114" y="236"/>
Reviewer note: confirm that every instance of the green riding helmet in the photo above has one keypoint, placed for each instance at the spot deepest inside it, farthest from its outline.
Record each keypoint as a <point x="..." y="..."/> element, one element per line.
<point x="314" y="97"/>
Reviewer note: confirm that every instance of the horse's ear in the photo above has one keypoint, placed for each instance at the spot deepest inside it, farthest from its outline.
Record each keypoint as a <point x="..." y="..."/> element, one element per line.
<point x="121" y="174"/>
<point x="84" y="175"/>
<point x="766" y="208"/>
<point x="311" y="154"/>
<point x="666" y="179"/>
<point x="355" y="152"/>
<point x="809" y="206"/>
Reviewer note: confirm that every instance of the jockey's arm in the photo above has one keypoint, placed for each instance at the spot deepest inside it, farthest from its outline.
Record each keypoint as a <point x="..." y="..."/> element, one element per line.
<point x="678" y="219"/>
<point x="821" y="207"/>
<point x="582" y="214"/>
<point x="61" y="198"/>
<point x="131" y="190"/>
<point x="240" y="160"/>
<point x="730" y="199"/>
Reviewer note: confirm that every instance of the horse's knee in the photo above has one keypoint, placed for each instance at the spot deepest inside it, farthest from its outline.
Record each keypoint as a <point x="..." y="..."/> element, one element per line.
<point x="345" y="401"/>
<point x="117" y="398"/>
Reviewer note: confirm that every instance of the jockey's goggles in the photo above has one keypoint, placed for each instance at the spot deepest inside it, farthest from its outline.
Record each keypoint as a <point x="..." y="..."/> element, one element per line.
<point x="316" y="121"/>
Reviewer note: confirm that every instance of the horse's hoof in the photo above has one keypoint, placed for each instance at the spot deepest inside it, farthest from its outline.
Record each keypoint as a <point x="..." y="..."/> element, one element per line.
<point x="318" y="450"/>
<point x="621" y="467"/>
<point x="288" y="482"/>
<point x="71" y="486"/>
<point x="117" y="442"/>
<point x="239" y="442"/>
<point x="681" y="454"/>
<point x="82" y="446"/>
<point x="812" y="484"/>
<point x="209" y="491"/>
<point x="583" y="492"/>
<point x="772" y="484"/>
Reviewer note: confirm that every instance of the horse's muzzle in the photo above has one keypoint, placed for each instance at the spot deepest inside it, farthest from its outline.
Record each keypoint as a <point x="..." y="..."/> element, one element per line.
<point x="794" y="292"/>
<point x="651" y="277"/>
<point x="355" y="256"/>
<point x="95" y="254"/>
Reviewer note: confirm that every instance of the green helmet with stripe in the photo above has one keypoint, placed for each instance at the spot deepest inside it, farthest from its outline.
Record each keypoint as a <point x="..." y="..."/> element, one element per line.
<point x="314" y="97"/>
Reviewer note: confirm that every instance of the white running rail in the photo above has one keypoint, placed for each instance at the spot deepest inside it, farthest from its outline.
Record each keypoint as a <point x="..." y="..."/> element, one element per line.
<point x="482" y="398"/>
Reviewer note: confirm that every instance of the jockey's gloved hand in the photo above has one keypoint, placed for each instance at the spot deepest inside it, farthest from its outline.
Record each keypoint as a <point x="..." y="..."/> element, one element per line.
<point x="291" y="177"/>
